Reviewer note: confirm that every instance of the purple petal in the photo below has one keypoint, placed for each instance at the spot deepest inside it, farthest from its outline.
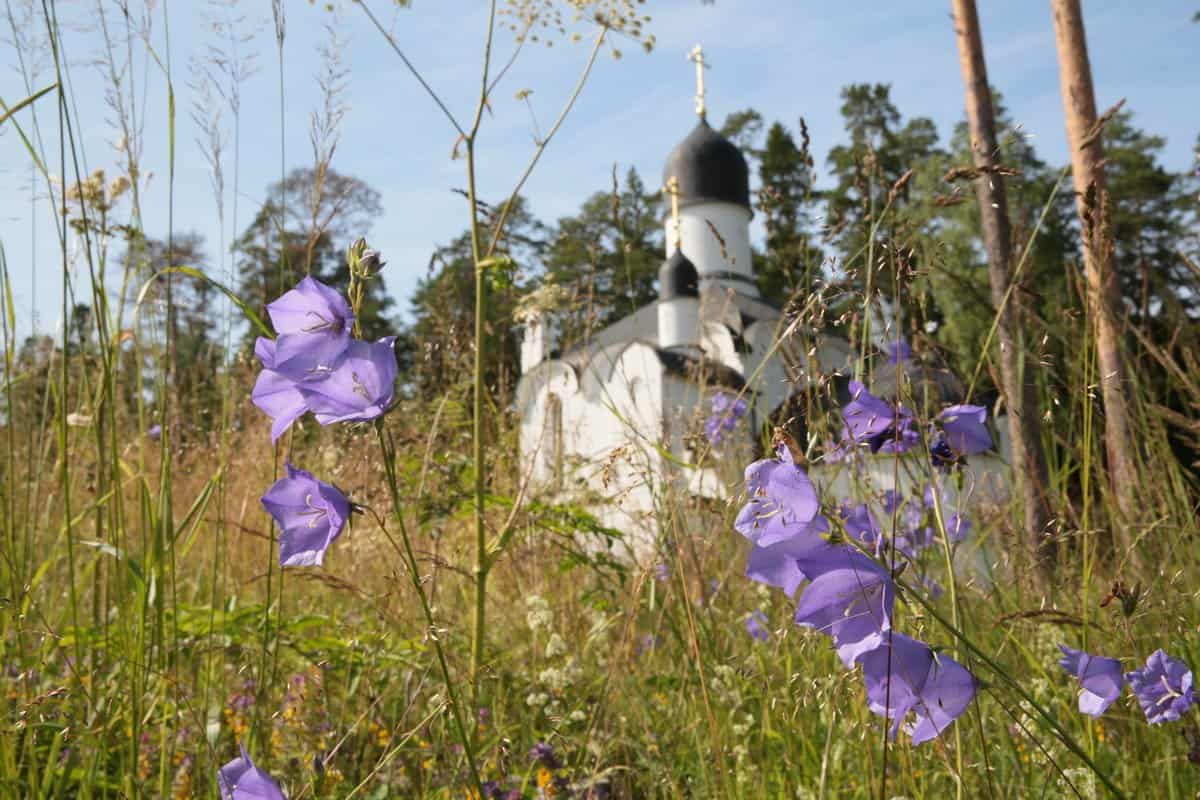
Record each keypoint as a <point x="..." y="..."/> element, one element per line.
<point x="311" y="307"/>
<point x="310" y="513"/>
<point x="280" y="399"/>
<point x="947" y="692"/>
<point x="966" y="429"/>
<point x="361" y="386"/>
<point x="241" y="780"/>
<point x="852" y="604"/>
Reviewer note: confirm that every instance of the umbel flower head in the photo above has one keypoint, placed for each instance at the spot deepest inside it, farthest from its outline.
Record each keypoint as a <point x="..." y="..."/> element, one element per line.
<point x="905" y="676"/>
<point x="1100" y="679"/>
<point x="310" y="514"/>
<point x="1163" y="687"/>
<point x="241" y="780"/>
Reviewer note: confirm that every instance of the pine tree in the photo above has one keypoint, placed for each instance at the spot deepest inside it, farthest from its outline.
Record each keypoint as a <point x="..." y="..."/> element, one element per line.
<point x="785" y="195"/>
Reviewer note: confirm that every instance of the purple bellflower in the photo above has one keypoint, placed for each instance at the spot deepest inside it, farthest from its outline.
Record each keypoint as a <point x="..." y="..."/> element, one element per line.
<point x="154" y="432"/>
<point x="849" y="597"/>
<point x="778" y="564"/>
<point x="1100" y="678"/>
<point x="898" y="351"/>
<point x="904" y="676"/>
<point x="782" y="519"/>
<point x="543" y="753"/>
<point x="241" y="780"/>
<point x="756" y="626"/>
<point x="884" y="427"/>
<point x="1163" y="687"/>
<point x="966" y="429"/>
<point x="359" y="388"/>
<point x="314" y="323"/>
<point x="782" y="500"/>
<point x="727" y="409"/>
<point x="276" y="394"/>
<point x="310" y="513"/>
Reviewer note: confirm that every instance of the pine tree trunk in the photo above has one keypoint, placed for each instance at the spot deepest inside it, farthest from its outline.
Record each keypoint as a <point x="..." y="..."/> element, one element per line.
<point x="1028" y="459"/>
<point x="1087" y="154"/>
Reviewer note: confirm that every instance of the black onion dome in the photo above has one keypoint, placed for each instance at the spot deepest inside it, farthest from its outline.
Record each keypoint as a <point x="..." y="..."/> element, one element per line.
<point x="678" y="278"/>
<point x="709" y="168"/>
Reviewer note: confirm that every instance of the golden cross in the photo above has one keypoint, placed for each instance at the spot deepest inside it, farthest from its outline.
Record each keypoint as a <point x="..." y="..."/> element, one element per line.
<point x="697" y="55"/>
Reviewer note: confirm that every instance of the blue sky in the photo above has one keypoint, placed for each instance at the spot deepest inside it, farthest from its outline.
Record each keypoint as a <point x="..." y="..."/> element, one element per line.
<point x="786" y="58"/>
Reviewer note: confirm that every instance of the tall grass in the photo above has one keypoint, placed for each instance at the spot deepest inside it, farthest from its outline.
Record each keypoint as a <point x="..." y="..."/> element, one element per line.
<point x="147" y="628"/>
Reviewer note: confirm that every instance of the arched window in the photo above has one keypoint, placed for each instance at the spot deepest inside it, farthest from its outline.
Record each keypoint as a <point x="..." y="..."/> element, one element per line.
<point x="553" y="450"/>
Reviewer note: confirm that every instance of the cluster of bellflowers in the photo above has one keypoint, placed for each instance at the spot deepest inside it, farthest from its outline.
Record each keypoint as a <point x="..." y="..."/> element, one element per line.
<point x="1162" y="686"/>
<point x="848" y="580"/>
<point x="315" y="364"/>
<point x="727" y="410"/>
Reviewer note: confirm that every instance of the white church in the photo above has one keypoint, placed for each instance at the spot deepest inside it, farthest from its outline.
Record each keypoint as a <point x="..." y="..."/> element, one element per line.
<point x="614" y="417"/>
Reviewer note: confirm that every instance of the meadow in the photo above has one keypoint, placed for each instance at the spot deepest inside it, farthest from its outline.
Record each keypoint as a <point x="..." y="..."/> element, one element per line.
<point x="420" y="620"/>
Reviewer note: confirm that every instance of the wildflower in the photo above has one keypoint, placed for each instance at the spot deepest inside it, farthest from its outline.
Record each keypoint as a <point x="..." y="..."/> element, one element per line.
<point x="313" y="322"/>
<point x="556" y="646"/>
<point x="957" y="528"/>
<point x="276" y="394"/>
<point x="941" y="454"/>
<point x="862" y="525"/>
<point x="882" y="426"/>
<point x="154" y="432"/>
<point x="543" y="753"/>
<point x="782" y="500"/>
<point x="1100" y="678"/>
<point x="1163" y="687"/>
<point x="647" y="642"/>
<point x="370" y="262"/>
<point x="905" y="675"/>
<point x="966" y="429"/>
<point x="778" y="564"/>
<point x="661" y="572"/>
<point x="359" y="388"/>
<point x="756" y="626"/>
<point x="726" y="411"/>
<point x="310" y="513"/>
<point x="898" y="351"/>
<point x="849" y="597"/>
<point x="538" y="614"/>
<point x="241" y="780"/>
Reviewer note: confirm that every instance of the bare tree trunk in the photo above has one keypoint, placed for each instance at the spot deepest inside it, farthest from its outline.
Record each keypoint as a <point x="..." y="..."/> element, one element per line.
<point x="1087" y="154"/>
<point x="1028" y="459"/>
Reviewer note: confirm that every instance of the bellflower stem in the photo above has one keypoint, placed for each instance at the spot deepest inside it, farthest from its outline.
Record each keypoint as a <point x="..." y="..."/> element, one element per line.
<point x="410" y="559"/>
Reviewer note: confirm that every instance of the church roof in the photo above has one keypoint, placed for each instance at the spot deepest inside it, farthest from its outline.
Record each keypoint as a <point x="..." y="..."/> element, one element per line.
<point x="709" y="168"/>
<point x="678" y="278"/>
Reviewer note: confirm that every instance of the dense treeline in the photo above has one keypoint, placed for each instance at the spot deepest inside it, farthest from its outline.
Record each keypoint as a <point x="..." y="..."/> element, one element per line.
<point x="890" y="176"/>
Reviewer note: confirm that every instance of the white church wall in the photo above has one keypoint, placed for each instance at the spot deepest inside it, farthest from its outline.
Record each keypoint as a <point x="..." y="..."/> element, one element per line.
<point x="620" y="401"/>
<point x="717" y="343"/>
<point x="545" y="437"/>
<point x="769" y="380"/>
